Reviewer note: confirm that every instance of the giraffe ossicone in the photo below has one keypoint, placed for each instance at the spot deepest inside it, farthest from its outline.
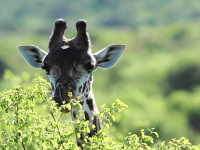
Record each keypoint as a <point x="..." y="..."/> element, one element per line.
<point x="69" y="65"/>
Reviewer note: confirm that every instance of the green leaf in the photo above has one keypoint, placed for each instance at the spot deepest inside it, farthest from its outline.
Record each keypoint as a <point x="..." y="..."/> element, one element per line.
<point x="25" y="139"/>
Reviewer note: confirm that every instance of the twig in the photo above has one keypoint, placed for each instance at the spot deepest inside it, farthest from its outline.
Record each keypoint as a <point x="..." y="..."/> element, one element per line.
<point x="52" y="115"/>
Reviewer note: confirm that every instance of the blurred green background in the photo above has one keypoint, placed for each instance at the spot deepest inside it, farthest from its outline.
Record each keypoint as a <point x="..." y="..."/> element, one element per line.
<point x="158" y="76"/>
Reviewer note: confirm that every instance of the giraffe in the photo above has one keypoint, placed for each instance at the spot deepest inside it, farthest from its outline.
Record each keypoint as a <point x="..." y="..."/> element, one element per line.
<point x="69" y="65"/>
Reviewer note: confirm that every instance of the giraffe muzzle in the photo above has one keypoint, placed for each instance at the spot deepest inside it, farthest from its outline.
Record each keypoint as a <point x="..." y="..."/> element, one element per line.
<point x="57" y="97"/>
<point x="61" y="94"/>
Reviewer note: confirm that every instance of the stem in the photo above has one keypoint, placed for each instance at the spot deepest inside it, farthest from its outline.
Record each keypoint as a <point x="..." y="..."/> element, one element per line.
<point x="52" y="115"/>
<point x="17" y="120"/>
<point x="23" y="146"/>
<point x="10" y="108"/>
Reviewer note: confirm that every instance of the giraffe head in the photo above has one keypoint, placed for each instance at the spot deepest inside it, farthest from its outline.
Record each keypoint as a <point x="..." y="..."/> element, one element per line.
<point x="70" y="62"/>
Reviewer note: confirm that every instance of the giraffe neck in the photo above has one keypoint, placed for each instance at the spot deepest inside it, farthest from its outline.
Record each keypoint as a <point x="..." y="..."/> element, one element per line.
<point x="89" y="107"/>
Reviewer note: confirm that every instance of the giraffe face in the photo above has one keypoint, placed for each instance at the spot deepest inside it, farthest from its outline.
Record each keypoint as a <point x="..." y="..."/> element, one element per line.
<point x="69" y="62"/>
<point x="69" y="69"/>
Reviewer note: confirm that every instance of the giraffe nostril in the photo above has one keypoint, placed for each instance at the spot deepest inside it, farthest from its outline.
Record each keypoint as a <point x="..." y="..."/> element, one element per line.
<point x="71" y="85"/>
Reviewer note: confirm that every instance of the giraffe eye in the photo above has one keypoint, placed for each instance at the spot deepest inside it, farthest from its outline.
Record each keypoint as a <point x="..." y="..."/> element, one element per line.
<point x="45" y="67"/>
<point x="89" y="67"/>
<point x="47" y="72"/>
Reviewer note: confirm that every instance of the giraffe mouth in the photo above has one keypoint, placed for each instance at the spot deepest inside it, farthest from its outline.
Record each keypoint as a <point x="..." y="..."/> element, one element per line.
<point x="61" y="96"/>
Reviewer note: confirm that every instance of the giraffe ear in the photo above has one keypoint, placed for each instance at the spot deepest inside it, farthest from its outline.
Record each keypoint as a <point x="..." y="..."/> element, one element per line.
<point x="33" y="55"/>
<point x="109" y="56"/>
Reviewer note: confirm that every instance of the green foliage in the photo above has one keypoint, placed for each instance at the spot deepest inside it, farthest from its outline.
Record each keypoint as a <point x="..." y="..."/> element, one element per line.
<point x="33" y="14"/>
<point x="162" y="39"/>
<point x="24" y="127"/>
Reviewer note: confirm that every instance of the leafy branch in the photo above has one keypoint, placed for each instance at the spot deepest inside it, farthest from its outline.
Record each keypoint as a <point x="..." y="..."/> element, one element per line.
<point x="25" y="126"/>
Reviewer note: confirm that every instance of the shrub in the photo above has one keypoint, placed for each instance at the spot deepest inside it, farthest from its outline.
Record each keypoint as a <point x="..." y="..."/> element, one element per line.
<point x="30" y="120"/>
